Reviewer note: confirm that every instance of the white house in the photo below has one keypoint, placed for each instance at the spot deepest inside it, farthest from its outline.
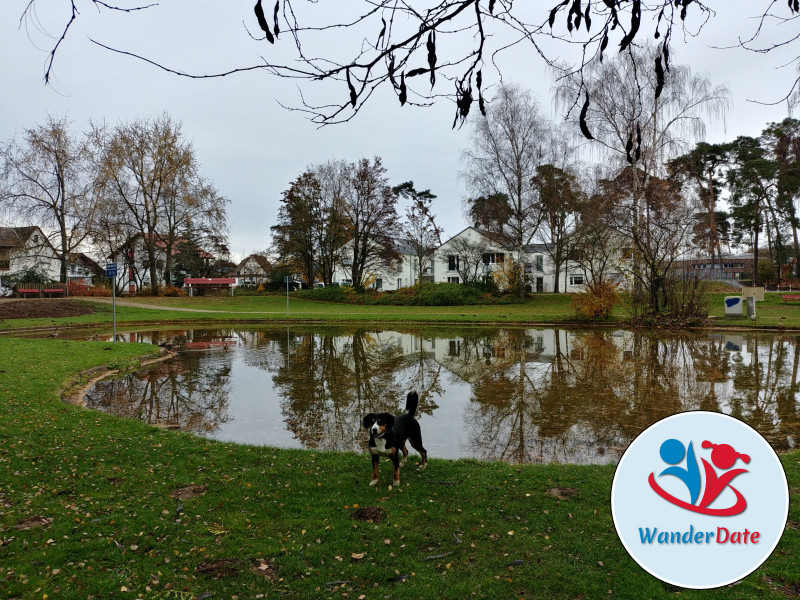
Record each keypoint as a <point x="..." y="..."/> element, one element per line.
<point x="388" y="275"/>
<point x="253" y="270"/>
<point x="23" y="248"/>
<point x="472" y="254"/>
<point x="81" y="268"/>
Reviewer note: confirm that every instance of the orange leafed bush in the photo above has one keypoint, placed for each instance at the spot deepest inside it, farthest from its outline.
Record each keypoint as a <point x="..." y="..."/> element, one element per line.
<point x="77" y="289"/>
<point x="172" y="291"/>
<point x="597" y="301"/>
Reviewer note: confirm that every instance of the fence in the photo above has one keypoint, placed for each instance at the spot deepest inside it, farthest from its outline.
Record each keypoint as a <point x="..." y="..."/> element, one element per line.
<point x="41" y="290"/>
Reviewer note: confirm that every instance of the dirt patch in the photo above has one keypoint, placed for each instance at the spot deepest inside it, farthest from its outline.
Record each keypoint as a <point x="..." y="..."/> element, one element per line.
<point x="370" y="514"/>
<point x="561" y="493"/>
<point x="190" y="491"/>
<point x="43" y="308"/>
<point x="265" y="568"/>
<point x="33" y="523"/>
<point x="222" y="567"/>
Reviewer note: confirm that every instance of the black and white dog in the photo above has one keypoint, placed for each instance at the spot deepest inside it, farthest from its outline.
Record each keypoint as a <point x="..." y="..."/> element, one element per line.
<point x="388" y="435"/>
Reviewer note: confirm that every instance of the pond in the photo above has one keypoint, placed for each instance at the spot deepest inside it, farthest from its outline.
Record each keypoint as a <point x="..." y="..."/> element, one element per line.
<point x="517" y="395"/>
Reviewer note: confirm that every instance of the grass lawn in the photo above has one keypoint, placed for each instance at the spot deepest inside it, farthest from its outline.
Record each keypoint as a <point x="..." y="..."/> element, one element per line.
<point x="538" y="309"/>
<point x="92" y="506"/>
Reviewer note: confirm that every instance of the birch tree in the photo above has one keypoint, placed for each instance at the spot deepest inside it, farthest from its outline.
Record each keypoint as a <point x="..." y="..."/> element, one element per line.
<point x="505" y="150"/>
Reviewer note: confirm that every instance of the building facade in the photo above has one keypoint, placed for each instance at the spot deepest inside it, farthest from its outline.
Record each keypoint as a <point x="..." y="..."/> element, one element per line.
<point x="25" y="248"/>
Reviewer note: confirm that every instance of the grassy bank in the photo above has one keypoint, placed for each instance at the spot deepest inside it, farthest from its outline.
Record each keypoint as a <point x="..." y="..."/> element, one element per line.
<point x="115" y="508"/>
<point x="537" y="309"/>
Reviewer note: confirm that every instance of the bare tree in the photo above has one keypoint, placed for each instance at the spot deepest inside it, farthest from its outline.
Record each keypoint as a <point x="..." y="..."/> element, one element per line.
<point x="506" y="149"/>
<point x="640" y="122"/>
<point x="470" y="259"/>
<point x="47" y="180"/>
<point x="636" y="118"/>
<point x="370" y="208"/>
<point x="148" y="168"/>
<point x="657" y="229"/>
<point x="332" y="234"/>
<point x="419" y="228"/>
<point x="410" y="48"/>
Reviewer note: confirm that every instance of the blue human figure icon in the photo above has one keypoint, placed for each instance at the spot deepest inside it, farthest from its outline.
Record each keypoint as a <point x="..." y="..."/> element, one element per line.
<point x="672" y="452"/>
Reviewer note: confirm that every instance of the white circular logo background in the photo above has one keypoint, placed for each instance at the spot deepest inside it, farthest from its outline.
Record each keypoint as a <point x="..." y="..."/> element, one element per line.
<point x="699" y="499"/>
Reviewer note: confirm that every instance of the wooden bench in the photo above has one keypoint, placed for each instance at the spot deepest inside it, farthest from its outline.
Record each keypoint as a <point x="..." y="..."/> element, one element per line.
<point x="54" y="291"/>
<point x="790" y="298"/>
<point x="28" y="291"/>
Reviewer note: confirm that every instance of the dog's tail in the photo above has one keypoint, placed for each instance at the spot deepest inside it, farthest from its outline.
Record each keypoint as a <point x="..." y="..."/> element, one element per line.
<point x="412" y="401"/>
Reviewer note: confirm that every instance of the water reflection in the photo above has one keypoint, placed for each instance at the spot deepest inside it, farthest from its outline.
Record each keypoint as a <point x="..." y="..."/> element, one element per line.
<point x="519" y="395"/>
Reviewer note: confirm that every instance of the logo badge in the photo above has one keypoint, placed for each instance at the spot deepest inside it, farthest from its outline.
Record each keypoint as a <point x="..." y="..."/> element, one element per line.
<point x="699" y="500"/>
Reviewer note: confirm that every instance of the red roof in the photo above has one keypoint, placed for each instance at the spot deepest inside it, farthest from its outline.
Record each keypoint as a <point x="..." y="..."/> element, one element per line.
<point x="208" y="280"/>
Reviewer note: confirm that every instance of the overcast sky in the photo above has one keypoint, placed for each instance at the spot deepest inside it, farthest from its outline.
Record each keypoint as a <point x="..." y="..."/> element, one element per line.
<point x="249" y="146"/>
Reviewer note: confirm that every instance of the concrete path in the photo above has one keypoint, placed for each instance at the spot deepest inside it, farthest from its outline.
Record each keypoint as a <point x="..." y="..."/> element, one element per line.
<point x="121" y="302"/>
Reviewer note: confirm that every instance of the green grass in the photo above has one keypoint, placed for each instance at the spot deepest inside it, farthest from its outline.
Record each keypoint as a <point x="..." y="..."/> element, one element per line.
<point x="545" y="308"/>
<point x="492" y="529"/>
<point x="538" y="309"/>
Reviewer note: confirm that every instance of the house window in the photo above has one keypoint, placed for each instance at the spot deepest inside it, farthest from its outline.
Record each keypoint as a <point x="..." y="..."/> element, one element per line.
<point x="528" y="268"/>
<point x="576" y="279"/>
<point x="455" y="347"/>
<point x="452" y="280"/>
<point x="379" y="284"/>
<point x="399" y="283"/>
<point x="539" y="263"/>
<point x="5" y="260"/>
<point x="491" y="258"/>
<point x="452" y="263"/>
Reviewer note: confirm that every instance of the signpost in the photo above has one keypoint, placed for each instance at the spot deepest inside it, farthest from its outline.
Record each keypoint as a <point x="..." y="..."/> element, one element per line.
<point x="111" y="273"/>
<point x="287" y="279"/>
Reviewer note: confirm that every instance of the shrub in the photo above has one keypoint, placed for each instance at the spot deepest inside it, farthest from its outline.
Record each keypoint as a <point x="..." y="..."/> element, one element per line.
<point x="173" y="292"/>
<point x="81" y="290"/>
<point x="30" y="275"/>
<point x="598" y="301"/>
<point x="326" y="294"/>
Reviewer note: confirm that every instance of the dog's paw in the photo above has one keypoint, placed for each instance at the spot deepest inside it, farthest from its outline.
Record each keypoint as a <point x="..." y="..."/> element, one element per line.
<point x="396" y="482"/>
<point x="422" y="467"/>
<point x="403" y="463"/>
<point x="373" y="482"/>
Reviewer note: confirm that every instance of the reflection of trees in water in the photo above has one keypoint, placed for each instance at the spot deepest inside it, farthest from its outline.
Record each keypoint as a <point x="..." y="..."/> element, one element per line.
<point x="593" y="392"/>
<point x="766" y="388"/>
<point x="536" y="395"/>
<point x="191" y="393"/>
<point x="532" y="405"/>
<point x="327" y="382"/>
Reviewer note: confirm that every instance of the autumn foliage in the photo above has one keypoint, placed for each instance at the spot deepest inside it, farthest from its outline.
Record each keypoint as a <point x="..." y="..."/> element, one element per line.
<point x="598" y="301"/>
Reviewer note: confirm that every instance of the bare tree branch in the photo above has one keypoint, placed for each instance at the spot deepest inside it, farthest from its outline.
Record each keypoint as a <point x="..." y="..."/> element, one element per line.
<point x="390" y="43"/>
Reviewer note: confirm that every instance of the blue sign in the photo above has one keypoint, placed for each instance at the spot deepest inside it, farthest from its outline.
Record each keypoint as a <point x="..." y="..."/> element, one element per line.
<point x="111" y="270"/>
